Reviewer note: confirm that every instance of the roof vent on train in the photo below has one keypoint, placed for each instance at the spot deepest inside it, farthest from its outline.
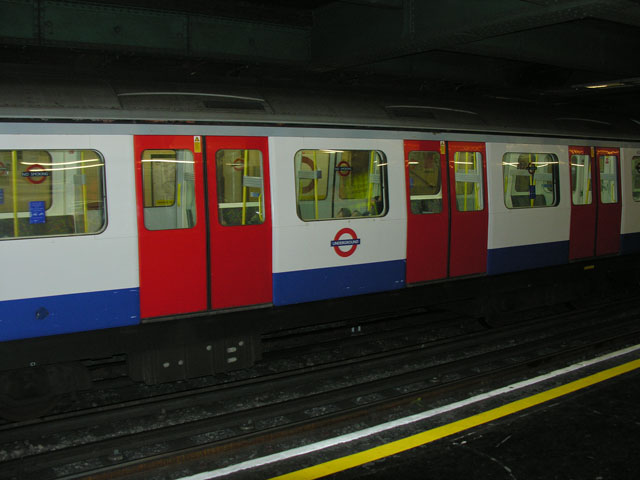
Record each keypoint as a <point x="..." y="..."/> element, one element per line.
<point x="582" y="124"/>
<point x="194" y="101"/>
<point x="446" y="114"/>
<point x="583" y="121"/>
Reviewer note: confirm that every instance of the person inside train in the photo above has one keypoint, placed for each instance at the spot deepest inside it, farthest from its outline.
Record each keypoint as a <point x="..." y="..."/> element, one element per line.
<point x="343" y="213"/>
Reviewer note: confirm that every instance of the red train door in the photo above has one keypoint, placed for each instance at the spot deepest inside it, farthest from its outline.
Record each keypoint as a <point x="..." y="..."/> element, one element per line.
<point x="609" y="203"/>
<point x="240" y="221"/>
<point x="427" y="210"/>
<point x="469" y="212"/>
<point x="595" y="201"/>
<point x="172" y="227"/>
<point x="582" y="233"/>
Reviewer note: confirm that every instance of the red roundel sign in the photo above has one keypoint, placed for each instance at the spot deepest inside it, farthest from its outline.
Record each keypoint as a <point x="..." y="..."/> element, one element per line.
<point x="35" y="174"/>
<point x="238" y="164"/>
<point x="345" y="238"/>
<point x="343" y="168"/>
<point x="309" y="163"/>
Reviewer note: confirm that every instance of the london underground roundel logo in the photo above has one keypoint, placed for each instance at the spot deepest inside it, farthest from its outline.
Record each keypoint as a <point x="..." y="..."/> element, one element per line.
<point x="345" y="238"/>
<point x="35" y="174"/>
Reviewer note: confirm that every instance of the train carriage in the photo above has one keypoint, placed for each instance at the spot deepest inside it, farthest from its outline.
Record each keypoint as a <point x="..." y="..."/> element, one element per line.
<point x="177" y="238"/>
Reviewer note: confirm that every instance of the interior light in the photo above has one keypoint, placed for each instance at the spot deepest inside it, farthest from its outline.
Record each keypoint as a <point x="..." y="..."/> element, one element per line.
<point x="157" y="160"/>
<point x="60" y="163"/>
<point x="605" y="85"/>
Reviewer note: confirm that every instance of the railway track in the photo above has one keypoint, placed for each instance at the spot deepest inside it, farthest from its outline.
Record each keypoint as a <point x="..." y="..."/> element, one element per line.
<point x="380" y="372"/>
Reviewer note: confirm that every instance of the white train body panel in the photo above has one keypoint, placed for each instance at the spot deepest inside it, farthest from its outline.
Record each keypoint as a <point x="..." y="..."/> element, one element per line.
<point x="93" y="276"/>
<point x="305" y="265"/>
<point x="630" y="226"/>
<point x="521" y="238"/>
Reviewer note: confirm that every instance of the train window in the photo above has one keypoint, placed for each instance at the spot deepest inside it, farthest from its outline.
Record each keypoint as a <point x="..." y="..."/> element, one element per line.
<point x="240" y="187"/>
<point x="468" y="175"/>
<point x="168" y="189"/>
<point x="340" y="183"/>
<point x="608" y="165"/>
<point x="51" y="192"/>
<point x="530" y="180"/>
<point x="635" y="178"/>
<point x="581" y="184"/>
<point x="425" y="182"/>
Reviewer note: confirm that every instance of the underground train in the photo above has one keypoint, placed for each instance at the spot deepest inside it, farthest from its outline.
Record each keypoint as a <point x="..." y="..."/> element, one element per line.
<point x="174" y="228"/>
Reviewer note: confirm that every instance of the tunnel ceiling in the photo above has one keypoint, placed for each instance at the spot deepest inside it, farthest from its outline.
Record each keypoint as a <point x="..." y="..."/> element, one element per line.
<point x="552" y="52"/>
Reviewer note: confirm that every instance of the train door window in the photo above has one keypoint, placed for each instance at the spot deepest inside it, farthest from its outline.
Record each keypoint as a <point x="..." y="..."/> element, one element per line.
<point x="240" y="187"/>
<point x="340" y="183"/>
<point x="168" y="189"/>
<point x="530" y="180"/>
<point x="635" y="178"/>
<point x="581" y="183"/>
<point x="468" y="176"/>
<point x="51" y="192"/>
<point x="425" y="182"/>
<point x="608" y="166"/>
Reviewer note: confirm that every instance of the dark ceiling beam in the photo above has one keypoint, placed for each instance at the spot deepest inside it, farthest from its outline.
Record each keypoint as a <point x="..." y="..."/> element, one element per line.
<point x="448" y="71"/>
<point x="122" y="29"/>
<point x="347" y="35"/>
<point x="377" y="3"/>
<point x="588" y="46"/>
<point x="626" y="13"/>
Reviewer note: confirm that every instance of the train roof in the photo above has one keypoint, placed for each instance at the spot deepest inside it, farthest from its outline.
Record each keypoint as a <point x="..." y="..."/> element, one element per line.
<point x="33" y="98"/>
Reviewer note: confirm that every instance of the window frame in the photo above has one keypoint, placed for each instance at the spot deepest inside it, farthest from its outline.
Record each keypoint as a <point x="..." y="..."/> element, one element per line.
<point x="635" y="177"/>
<point x="530" y="168"/>
<point x="573" y="178"/>
<point x="334" y="184"/>
<point x="607" y="156"/>
<point x="416" y="199"/>
<point x="261" y="208"/>
<point x="62" y="189"/>
<point x="479" y="185"/>
<point x="177" y="189"/>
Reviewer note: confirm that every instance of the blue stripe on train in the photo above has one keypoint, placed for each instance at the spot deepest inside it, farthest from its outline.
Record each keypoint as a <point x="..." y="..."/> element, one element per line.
<point x="630" y="243"/>
<point x="42" y="316"/>
<point x="524" y="257"/>
<point x="323" y="283"/>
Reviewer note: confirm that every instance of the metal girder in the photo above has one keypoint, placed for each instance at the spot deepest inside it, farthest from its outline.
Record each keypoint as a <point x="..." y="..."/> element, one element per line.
<point x="380" y="3"/>
<point x="447" y="69"/>
<point x="626" y="13"/>
<point x="346" y="35"/>
<point x="588" y="45"/>
<point x="94" y="26"/>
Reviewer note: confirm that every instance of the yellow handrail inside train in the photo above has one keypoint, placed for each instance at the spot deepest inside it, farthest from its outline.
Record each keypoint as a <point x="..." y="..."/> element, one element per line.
<point x="532" y="181"/>
<point x="588" y="181"/>
<point x="85" y="212"/>
<point x="14" y="187"/>
<point x="315" y="181"/>
<point x="465" y="183"/>
<point x="369" y="204"/>
<point x="477" y="165"/>
<point x="244" y="188"/>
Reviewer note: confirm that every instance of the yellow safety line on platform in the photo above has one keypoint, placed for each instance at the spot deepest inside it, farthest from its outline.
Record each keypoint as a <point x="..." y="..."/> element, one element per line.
<point x="357" y="459"/>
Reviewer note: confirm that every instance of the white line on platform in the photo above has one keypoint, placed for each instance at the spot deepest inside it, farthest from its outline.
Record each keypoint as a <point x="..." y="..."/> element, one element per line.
<point x="350" y="437"/>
